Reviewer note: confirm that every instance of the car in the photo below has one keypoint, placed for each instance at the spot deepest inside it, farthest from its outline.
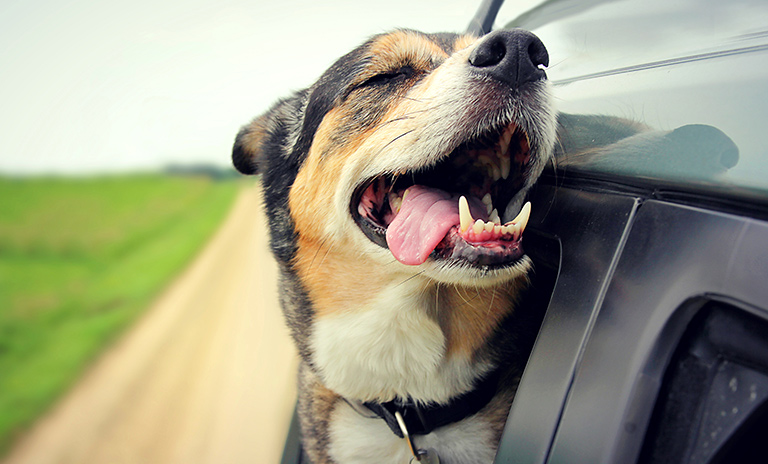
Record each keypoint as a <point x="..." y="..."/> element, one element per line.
<point x="650" y="247"/>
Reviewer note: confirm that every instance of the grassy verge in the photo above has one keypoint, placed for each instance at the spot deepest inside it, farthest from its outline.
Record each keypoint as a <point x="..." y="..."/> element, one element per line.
<point x="79" y="260"/>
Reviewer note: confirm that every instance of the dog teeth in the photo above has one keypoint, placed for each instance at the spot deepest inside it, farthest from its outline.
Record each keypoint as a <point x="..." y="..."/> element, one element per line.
<point x="478" y="227"/>
<point x="494" y="171"/>
<point x="521" y="220"/>
<point x="524" y="215"/>
<point x="494" y="216"/>
<point x="465" y="217"/>
<point x="493" y="213"/>
<point x="504" y="140"/>
<point x="506" y="166"/>
<point x="395" y="202"/>
<point x="488" y="202"/>
<point x="480" y="230"/>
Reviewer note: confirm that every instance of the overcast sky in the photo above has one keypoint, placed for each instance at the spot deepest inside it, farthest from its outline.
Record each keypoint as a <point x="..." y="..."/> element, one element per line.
<point x="95" y="86"/>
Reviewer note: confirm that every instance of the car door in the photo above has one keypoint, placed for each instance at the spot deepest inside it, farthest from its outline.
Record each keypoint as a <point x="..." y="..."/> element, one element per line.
<point x="653" y="346"/>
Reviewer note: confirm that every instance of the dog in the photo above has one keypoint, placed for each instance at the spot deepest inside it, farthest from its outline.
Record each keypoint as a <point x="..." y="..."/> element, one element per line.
<point x="395" y="191"/>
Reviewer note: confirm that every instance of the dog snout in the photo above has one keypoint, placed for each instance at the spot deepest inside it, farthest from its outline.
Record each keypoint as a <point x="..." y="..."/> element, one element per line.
<point x="514" y="57"/>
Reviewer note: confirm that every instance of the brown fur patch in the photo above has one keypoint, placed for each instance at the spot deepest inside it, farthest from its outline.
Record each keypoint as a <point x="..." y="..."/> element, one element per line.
<point x="403" y="48"/>
<point x="248" y="145"/>
<point x="256" y="132"/>
<point x="315" y="185"/>
<point x="337" y="279"/>
<point x="464" y="41"/>
<point x="469" y="315"/>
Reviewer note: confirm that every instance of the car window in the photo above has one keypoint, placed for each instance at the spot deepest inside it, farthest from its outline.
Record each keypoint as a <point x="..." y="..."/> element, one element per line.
<point x="693" y="74"/>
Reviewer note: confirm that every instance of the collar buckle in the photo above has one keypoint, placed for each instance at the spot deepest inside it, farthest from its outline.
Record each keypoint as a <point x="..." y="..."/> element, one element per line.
<point x="428" y="456"/>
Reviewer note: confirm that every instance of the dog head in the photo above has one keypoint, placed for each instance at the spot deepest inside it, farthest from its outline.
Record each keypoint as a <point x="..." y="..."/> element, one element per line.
<point x="413" y="153"/>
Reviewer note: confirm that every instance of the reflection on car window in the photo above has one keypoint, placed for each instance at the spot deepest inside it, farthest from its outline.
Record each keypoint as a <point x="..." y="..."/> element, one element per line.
<point x="689" y="78"/>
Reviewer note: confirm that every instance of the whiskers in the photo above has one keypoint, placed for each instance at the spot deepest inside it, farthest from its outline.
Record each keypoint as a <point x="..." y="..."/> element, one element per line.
<point x="410" y="115"/>
<point x="466" y="299"/>
<point x="410" y="278"/>
<point x="490" y="304"/>
<point x="319" y="248"/>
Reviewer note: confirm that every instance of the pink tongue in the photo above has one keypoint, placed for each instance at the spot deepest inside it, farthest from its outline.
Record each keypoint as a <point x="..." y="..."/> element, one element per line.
<point x="425" y="216"/>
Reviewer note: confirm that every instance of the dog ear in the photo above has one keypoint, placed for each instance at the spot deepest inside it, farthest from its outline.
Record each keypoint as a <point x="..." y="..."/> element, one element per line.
<point x="248" y="151"/>
<point x="271" y="136"/>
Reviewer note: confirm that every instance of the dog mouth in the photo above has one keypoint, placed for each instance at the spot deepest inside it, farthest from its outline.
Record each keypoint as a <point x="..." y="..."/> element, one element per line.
<point x="447" y="212"/>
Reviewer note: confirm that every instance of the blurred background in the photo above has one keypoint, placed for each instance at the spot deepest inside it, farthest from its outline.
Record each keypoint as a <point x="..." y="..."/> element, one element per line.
<point x="138" y="314"/>
<point x="138" y="309"/>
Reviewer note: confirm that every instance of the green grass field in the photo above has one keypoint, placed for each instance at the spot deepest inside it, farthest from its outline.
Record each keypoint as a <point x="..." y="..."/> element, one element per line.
<point x="79" y="260"/>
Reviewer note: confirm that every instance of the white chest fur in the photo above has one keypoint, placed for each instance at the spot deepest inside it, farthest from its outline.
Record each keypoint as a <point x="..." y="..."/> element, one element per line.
<point x="391" y="345"/>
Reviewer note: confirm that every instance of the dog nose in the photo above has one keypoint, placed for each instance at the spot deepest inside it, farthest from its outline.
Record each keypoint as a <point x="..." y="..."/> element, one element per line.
<point x="512" y="56"/>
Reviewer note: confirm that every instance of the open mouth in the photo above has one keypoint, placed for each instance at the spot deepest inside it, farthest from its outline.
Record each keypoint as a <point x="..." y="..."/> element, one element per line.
<point x="449" y="211"/>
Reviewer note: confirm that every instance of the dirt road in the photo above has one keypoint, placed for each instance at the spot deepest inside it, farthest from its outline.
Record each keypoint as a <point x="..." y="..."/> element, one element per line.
<point x="206" y="376"/>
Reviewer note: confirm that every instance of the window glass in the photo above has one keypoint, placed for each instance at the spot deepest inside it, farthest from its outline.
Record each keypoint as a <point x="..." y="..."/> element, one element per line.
<point x="690" y="76"/>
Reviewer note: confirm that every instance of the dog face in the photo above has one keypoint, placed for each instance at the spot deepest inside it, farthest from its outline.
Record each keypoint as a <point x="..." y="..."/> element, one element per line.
<point x="386" y="157"/>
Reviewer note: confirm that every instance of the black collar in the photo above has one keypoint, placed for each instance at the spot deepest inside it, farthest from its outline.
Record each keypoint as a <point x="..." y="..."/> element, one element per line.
<point x="423" y="419"/>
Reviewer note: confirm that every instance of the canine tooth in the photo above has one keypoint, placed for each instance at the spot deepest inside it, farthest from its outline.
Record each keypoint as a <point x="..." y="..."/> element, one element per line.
<point x="478" y="227"/>
<point x="465" y="217"/>
<point x="522" y="219"/>
<point x="504" y="140"/>
<point x="506" y="166"/>
<point x="494" y="216"/>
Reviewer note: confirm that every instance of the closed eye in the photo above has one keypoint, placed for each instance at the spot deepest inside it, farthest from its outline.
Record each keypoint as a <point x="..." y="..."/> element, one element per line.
<point x="388" y="77"/>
